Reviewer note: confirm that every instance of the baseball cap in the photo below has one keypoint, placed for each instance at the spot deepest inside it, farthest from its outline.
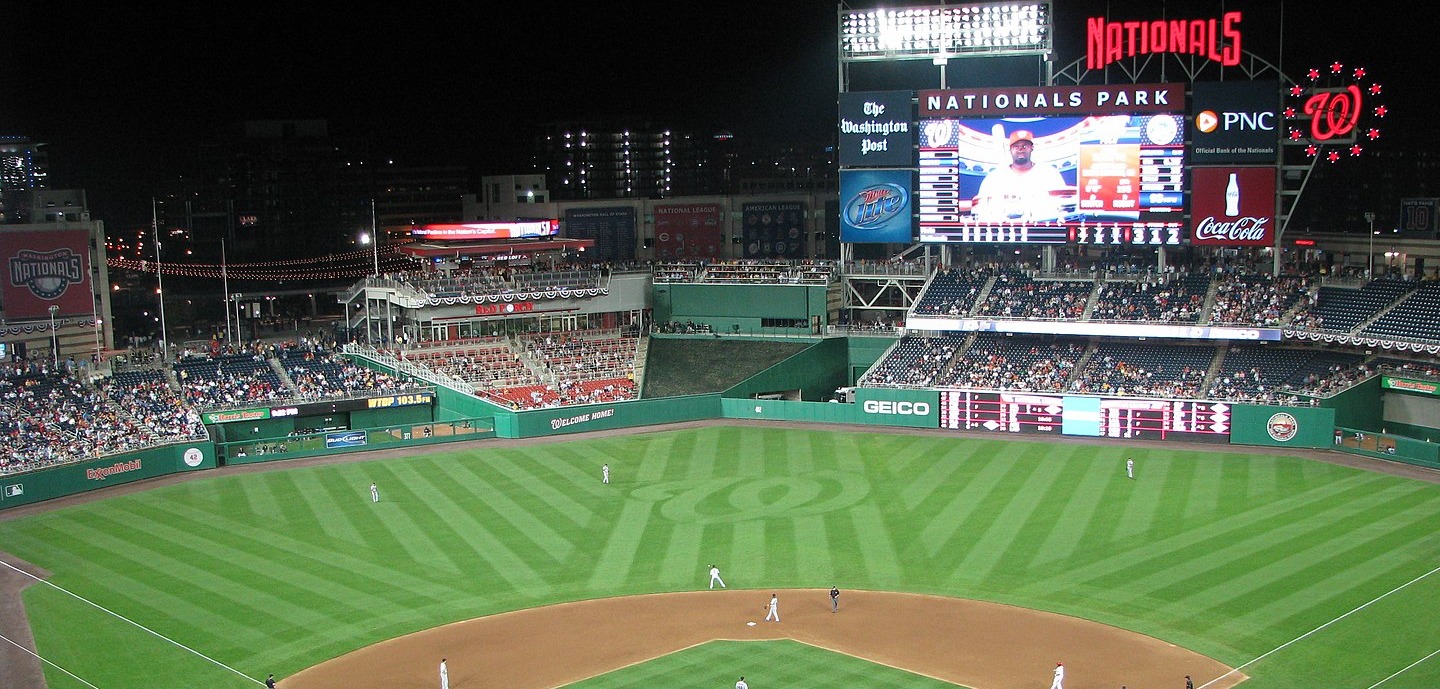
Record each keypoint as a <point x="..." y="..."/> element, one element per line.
<point x="1021" y="135"/>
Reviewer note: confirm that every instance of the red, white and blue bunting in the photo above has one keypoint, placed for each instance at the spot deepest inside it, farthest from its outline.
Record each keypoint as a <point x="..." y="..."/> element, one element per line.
<point x="44" y="326"/>
<point x="585" y="293"/>
<point x="1359" y="341"/>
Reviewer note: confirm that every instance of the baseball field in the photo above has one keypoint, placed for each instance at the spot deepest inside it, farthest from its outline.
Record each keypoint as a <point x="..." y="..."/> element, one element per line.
<point x="1274" y="571"/>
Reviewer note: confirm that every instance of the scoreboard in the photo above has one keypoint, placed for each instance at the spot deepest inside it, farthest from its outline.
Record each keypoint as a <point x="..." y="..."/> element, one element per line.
<point x="1105" y="417"/>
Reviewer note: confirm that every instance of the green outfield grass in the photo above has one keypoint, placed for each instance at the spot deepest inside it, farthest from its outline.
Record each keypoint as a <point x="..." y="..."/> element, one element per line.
<point x="1230" y="554"/>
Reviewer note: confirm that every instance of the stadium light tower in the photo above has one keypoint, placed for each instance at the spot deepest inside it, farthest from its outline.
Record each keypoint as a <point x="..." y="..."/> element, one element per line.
<point x="1370" y="253"/>
<point x="938" y="33"/>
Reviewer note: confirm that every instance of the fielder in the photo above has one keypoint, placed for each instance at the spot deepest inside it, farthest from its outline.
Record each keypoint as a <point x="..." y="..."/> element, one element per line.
<point x="374" y="493"/>
<point x="444" y="675"/>
<point x="605" y="474"/>
<point x="1129" y="468"/>
<point x="1059" y="676"/>
<point x="774" y="606"/>
<point x="715" y="577"/>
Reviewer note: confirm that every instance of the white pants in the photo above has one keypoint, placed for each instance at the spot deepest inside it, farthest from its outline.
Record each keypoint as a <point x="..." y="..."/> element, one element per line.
<point x="715" y="579"/>
<point x="774" y="612"/>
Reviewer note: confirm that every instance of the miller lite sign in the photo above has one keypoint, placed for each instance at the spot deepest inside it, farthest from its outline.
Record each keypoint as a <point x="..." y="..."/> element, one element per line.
<point x="1233" y="206"/>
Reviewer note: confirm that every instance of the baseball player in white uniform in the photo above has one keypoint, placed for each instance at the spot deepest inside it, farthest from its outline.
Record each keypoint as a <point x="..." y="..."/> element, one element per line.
<point x="444" y="675"/>
<point x="715" y="577"/>
<point x="774" y="606"/>
<point x="1059" y="676"/>
<point x="1129" y="468"/>
<point x="605" y="474"/>
<point x="374" y="493"/>
<point x="741" y="684"/>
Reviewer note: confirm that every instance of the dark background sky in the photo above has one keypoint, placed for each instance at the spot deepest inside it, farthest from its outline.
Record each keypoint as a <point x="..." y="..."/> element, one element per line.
<point x="120" y="93"/>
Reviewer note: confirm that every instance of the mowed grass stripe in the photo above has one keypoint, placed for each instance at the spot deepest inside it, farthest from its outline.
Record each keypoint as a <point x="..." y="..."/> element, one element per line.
<point x="1246" y="553"/>
<point x="926" y="469"/>
<point x="621" y="544"/>
<point x="1305" y="574"/>
<point x="1195" y="543"/>
<point x="532" y="518"/>
<point x="465" y="531"/>
<point x="944" y="520"/>
<point x="534" y="476"/>
<point x="324" y="500"/>
<point x="1047" y="483"/>
<point x="1092" y="504"/>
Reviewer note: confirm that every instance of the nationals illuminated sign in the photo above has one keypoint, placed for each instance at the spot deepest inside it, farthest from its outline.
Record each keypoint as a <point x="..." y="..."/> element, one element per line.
<point x="1233" y="206"/>
<point x="1334" y="111"/>
<point x="1217" y="40"/>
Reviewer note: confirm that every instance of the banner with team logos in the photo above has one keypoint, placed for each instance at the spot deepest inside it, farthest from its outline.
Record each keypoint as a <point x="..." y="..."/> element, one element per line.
<point x="684" y="231"/>
<point x="773" y="230"/>
<point x="44" y="268"/>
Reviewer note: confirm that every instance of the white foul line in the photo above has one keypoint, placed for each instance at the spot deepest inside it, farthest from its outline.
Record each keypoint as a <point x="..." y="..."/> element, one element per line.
<point x="133" y="622"/>
<point x="1327" y="624"/>
<point x="1403" y="669"/>
<point x="37" y="657"/>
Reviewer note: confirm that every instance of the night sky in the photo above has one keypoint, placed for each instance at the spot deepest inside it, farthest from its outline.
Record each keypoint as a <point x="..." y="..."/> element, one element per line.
<point x="121" y="93"/>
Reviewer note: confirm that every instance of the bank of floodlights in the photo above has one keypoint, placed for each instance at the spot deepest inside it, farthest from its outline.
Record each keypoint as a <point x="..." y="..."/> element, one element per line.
<point x="915" y="33"/>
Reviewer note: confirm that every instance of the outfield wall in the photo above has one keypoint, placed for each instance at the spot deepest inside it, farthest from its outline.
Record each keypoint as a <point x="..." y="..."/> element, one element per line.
<point x="602" y="417"/>
<point x="872" y="406"/>
<point x="68" y="479"/>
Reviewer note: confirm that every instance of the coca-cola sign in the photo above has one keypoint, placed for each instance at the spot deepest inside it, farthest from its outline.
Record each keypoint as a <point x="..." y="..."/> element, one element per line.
<point x="1233" y="206"/>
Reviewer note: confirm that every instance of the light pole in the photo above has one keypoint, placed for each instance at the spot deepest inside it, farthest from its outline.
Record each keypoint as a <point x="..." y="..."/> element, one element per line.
<point x="374" y="239"/>
<point x="1370" y="253"/>
<point x="54" y="338"/>
<point x="159" y="283"/>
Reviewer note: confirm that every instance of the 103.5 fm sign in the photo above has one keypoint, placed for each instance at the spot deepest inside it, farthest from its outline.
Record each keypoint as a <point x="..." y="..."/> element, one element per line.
<point x="1233" y="206"/>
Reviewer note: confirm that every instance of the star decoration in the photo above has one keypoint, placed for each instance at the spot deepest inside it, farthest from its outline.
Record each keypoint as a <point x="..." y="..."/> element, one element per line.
<point x="1359" y="73"/>
<point x="1332" y="156"/>
<point x="1290" y="112"/>
<point x="1373" y="134"/>
<point x="1313" y="74"/>
<point x="1355" y="150"/>
<point x="1374" y="89"/>
<point x="1336" y="68"/>
<point x="1311" y="150"/>
<point x="1294" y="134"/>
<point x="1380" y="110"/>
<point x="1296" y="91"/>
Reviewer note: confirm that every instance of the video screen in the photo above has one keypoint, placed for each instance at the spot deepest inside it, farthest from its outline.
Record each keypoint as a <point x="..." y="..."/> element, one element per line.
<point x="1112" y="179"/>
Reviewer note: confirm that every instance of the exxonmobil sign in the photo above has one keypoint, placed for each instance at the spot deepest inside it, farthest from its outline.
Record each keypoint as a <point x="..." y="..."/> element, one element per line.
<point x="1217" y="40"/>
<point x="1233" y="206"/>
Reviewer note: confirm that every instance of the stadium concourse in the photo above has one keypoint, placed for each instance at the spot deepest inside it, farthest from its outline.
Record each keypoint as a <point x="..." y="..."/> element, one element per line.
<point x="53" y="414"/>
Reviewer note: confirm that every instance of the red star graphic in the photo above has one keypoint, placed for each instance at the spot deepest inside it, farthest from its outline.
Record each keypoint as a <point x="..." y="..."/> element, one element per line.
<point x="1332" y="156"/>
<point x="1374" y="89"/>
<point x="1294" y="134"/>
<point x="1373" y="134"/>
<point x="1311" y="150"/>
<point x="1355" y="150"/>
<point x="1297" y="91"/>
<point x="1380" y="110"/>
<point x="1289" y="113"/>
<point x="1359" y="73"/>
<point x="1313" y="74"/>
<point x="1336" y="68"/>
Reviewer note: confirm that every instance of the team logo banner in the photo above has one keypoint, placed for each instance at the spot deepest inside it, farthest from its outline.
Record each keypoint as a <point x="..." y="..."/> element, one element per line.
<point x="774" y="230"/>
<point x="45" y="268"/>
<point x="687" y="231"/>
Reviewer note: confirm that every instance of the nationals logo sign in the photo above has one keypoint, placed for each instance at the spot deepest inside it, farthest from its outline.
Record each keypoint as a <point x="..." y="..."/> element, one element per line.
<point x="1335" y="112"/>
<point x="45" y="268"/>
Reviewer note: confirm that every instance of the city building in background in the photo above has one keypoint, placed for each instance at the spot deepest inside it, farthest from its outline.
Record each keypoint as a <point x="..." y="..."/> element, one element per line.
<point x="24" y="168"/>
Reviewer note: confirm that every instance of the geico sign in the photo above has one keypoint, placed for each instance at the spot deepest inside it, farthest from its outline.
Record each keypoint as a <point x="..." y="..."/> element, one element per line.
<point x="887" y="407"/>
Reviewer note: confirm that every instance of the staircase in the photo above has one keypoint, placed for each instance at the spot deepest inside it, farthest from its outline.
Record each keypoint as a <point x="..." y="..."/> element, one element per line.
<point x="1215" y="365"/>
<point x="281" y="372"/>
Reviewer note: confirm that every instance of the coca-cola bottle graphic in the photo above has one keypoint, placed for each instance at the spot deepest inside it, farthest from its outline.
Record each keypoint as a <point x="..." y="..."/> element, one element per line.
<point x="1232" y="197"/>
